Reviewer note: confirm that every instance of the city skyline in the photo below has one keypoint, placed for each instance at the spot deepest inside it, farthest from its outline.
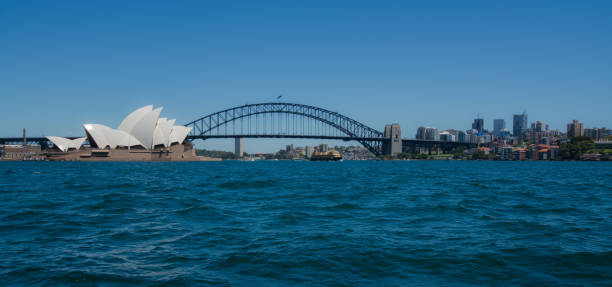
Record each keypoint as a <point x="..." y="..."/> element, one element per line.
<point x="413" y="64"/>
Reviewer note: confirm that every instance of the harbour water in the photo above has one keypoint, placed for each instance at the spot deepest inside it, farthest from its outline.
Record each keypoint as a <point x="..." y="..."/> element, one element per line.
<point x="350" y="223"/>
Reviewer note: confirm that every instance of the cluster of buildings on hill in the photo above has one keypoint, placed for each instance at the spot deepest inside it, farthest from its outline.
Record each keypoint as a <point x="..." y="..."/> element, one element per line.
<point x="306" y="152"/>
<point x="535" y="141"/>
<point x="538" y="132"/>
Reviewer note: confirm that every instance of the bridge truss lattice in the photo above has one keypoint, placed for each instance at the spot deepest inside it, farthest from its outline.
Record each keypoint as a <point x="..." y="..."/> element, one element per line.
<point x="285" y="120"/>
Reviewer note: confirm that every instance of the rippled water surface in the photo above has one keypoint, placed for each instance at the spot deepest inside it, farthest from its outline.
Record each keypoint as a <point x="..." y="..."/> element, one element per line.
<point x="306" y="223"/>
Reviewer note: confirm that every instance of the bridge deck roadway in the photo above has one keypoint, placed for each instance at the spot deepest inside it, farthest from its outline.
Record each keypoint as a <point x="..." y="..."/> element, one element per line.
<point x="405" y="142"/>
<point x="28" y="139"/>
<point x="4" y="140"/>
<point x="344" y="138"/>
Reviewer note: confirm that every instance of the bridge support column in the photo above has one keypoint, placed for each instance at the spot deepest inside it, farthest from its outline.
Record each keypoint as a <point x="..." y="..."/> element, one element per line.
<point x="238" y="147"/>
<point x="393" y="144"/>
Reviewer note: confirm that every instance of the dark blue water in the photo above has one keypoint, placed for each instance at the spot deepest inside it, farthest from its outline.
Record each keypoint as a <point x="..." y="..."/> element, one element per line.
<point x="306" y="223"/>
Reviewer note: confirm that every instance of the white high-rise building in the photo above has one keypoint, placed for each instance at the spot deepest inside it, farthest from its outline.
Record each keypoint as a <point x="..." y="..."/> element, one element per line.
<point x="428" y="133"/>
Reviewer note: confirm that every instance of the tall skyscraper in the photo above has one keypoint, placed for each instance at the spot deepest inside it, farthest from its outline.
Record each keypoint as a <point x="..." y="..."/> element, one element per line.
<point x="499" y="125"/>
<point x="575" y="129"/>
<point x="519" y="125"/>
<point x="478" y="124"/>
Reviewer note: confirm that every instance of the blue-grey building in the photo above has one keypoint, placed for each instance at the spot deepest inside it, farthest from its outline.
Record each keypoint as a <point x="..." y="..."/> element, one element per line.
<point x="498" y="125"/>
<point x="478" y="124"/>
<point x="519" y="125"/>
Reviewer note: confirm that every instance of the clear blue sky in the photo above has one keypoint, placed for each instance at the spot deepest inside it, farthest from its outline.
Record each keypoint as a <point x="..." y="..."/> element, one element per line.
<point x="439" y="63"/>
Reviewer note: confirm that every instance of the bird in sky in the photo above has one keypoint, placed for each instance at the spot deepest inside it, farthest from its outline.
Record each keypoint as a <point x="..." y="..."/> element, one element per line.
<point x="278" y="98"/>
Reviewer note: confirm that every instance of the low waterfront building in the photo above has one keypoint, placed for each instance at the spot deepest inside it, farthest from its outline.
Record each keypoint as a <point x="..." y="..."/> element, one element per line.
<point x="519" y="154"/>
<point x="21" y="152"/>
<point x="543" y="152"/>
<point x="485" y="150"/>
<point x="533" y="154"/>
<point x="592" y="157"/>
<point x="553" y="152"/>
<point x="603" y="144"/>
<point x="506" y="153"/>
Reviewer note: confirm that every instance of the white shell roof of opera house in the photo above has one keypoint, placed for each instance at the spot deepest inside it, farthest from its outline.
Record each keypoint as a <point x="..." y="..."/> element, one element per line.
<point x="141" y="128"/>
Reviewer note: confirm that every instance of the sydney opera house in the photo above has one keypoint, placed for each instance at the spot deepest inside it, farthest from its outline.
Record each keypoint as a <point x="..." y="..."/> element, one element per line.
<point x="141" y="136"/>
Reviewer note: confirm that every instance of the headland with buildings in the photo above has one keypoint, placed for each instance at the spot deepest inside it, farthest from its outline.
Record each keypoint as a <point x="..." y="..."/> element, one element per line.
<point x="535" y="141"/>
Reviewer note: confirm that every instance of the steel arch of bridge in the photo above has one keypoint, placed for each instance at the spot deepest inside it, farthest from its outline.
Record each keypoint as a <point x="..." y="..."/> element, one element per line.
<point x="290" y="121"/>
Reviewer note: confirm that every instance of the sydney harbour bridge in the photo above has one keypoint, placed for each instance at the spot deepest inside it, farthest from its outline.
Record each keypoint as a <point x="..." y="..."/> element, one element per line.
<point x="288" y="120"/>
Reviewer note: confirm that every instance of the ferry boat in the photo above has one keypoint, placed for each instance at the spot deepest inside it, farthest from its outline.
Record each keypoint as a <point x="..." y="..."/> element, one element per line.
<point x="332" y="155"/>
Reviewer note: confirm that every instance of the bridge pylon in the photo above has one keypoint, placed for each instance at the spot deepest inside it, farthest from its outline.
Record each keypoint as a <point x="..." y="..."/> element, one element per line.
<point x="238" y="151"/>
<point x="393" y="140"/>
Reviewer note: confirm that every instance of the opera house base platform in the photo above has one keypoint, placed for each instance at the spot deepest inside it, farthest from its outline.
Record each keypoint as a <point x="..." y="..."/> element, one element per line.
<point x="177" y="152"/>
